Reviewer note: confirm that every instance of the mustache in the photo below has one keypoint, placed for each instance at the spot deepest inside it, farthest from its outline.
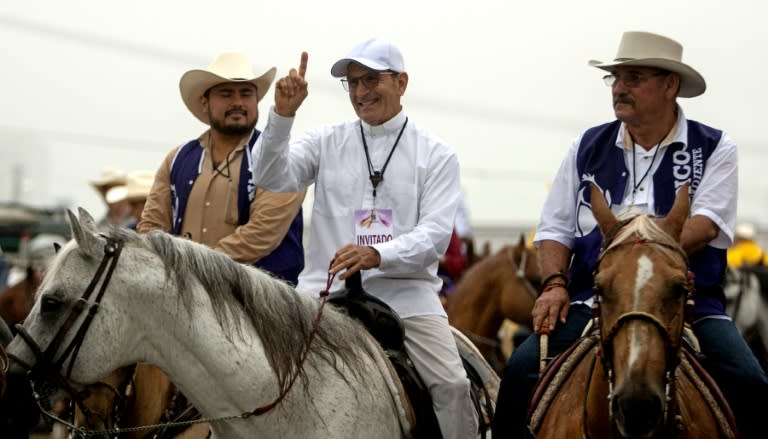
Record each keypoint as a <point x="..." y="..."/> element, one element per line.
<point x="623" y="100"/>
<point x="236" y="110"/>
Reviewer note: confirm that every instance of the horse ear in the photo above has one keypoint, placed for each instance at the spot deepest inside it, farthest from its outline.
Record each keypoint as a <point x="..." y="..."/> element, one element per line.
<point x="606" y="220"/>
<point x="87" y="220"/>
<point x="521" y="242"/>
<point x="86" y="240"/>
<point x="56" y="247"/>
<point x="678" y="214"/>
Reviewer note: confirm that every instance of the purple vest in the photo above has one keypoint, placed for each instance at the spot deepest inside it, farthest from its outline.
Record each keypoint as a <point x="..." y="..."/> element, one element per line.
<point x="287" y="260"/>
<point x="599" y="156"/>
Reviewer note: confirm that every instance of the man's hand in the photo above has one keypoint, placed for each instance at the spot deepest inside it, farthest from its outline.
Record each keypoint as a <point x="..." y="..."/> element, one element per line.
<point x="291" y="90"/>
<point x="550" y="307"/>
<point x="354" y="258"/>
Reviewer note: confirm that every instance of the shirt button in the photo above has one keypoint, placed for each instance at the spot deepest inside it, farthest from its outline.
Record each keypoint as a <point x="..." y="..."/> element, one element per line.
<point x="206" y="230"/>
<point x="641" y="189"/>
<point x="207" y="203"/>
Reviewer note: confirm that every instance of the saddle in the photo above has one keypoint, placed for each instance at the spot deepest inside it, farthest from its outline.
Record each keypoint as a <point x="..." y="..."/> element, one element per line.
<point x="387" y="328"/>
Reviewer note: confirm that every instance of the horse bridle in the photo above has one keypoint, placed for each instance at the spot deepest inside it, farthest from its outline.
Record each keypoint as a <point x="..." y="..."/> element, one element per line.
<point x="672" y="347"/>
<point x="520" y="273"/>
<point x="45" y="366"/>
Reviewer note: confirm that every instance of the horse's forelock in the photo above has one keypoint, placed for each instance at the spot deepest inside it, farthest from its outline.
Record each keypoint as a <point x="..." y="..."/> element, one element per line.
<point x="645" y="227"/>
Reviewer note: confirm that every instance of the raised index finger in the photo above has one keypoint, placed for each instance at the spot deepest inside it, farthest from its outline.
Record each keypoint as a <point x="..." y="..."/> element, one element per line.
<point x="303" y="64"/>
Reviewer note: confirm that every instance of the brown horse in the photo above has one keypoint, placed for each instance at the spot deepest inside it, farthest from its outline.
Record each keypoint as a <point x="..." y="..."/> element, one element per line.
<point x="136" y="398"/>
<point x="500" y="286"/>
<point x="634" y="378"/>
<point x="16" y="300"/>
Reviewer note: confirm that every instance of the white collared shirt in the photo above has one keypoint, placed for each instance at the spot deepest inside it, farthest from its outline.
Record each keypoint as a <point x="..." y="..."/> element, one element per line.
<point x="714" y="198"/>
<point x="421" y="185"/>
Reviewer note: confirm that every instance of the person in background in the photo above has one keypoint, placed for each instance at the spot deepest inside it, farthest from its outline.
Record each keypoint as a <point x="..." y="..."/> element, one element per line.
<point x="117" y="212"/>
<point x="745" y="250"/>
<point x="386" y="193"/>
<point x="463" y="227"/>
<point x="638" y="161"/>
<point x="451" y="266"/>
<point x="134" y="193"/>
<point x="204" y="190"/>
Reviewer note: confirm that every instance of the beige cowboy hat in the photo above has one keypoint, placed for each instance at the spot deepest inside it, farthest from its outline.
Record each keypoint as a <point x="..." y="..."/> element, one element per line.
<point x="227" y="67"/>
<point x="108" y="177"/>
<point x="646" y="49"/>
<point x="136" y="188"/>
<point x="745" y="231"/>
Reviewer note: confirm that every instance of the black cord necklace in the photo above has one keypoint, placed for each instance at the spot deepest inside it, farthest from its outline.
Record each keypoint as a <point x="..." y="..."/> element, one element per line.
<point x="636" y="184"/>
<point x="216" y="169"/>
<point x="375" y="176"/>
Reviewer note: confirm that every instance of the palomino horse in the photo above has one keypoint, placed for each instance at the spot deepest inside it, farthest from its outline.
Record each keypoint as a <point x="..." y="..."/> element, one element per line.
<point x="634" y="379"/>
<point x="498" y="287"/>
<point x="255" y="357"/>
<point x="746" y="294"/>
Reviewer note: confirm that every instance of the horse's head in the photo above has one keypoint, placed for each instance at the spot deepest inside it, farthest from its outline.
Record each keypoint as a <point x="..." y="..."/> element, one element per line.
<point x="641" y="287"/>
<point x="65" y="338"/>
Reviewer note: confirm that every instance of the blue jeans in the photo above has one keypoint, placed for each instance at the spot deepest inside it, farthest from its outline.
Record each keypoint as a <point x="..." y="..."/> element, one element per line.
<point x="522" y="371"/>
<point x="738" y="374"/>
<point x="726" y="357"/>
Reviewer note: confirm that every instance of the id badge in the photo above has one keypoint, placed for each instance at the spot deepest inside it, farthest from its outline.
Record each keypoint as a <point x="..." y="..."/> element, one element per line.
<point x="373" y="226"/>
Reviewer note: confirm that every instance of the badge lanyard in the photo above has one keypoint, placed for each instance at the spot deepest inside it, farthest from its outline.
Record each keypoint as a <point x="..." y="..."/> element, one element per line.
<point x="375" y="176"/>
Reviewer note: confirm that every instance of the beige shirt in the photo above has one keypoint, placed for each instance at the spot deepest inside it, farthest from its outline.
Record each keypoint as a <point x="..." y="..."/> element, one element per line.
<point x="211" y="213"/>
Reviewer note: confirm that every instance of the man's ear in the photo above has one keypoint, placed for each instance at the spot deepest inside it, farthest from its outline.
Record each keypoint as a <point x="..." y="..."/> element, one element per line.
<point x="402" y="82"/>
<point x="673" y="82"/>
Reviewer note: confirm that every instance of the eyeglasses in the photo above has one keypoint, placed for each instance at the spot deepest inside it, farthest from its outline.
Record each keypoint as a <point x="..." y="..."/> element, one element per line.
<point x="369" y="80"/>
<point x="631" y="79"/>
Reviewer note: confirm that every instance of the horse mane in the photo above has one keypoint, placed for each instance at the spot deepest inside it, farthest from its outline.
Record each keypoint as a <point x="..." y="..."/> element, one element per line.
<point x="281" y="317"/>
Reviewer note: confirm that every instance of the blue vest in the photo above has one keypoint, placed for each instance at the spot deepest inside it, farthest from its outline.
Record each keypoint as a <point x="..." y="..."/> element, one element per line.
<point x="287" y="260"/>
<point x="599" y="158"/>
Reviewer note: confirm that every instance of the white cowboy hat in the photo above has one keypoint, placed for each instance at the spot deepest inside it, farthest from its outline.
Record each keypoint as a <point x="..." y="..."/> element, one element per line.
<point x="109" y="177"/>
<point x="646" y="49"/>
<point x="227" y="67"/>
<point x="137" y="187"/>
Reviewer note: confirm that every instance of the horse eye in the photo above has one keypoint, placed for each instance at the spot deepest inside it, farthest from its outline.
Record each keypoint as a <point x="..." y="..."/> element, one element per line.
<point x="681" y="290"/>
<point x="50" y="304"/>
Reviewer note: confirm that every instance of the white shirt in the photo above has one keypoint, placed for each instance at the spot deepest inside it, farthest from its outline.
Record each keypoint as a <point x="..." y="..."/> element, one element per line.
<point x="421" y="185"/>
<point x="715" y="197"/>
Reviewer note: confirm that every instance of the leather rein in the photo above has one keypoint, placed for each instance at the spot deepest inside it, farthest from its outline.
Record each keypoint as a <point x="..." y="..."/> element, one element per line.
<point x="46" y="368"/>
<point x="672" y="347"/>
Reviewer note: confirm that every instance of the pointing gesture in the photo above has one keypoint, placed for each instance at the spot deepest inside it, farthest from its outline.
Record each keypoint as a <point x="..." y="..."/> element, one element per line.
<point x="291" y="90"/>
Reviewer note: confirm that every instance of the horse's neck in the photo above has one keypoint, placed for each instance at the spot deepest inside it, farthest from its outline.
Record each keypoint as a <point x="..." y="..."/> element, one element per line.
<point x="217" y="373"/>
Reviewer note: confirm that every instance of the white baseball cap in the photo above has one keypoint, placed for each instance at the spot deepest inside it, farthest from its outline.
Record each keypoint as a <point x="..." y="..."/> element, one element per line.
<point x="374" y="53"/>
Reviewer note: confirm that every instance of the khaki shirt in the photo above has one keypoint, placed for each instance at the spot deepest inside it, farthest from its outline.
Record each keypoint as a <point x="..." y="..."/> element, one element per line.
<point x="210" y="216"/>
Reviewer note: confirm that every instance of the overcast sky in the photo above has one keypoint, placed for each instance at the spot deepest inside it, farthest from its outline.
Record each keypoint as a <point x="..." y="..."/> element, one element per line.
<point x="88" y="84"/>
